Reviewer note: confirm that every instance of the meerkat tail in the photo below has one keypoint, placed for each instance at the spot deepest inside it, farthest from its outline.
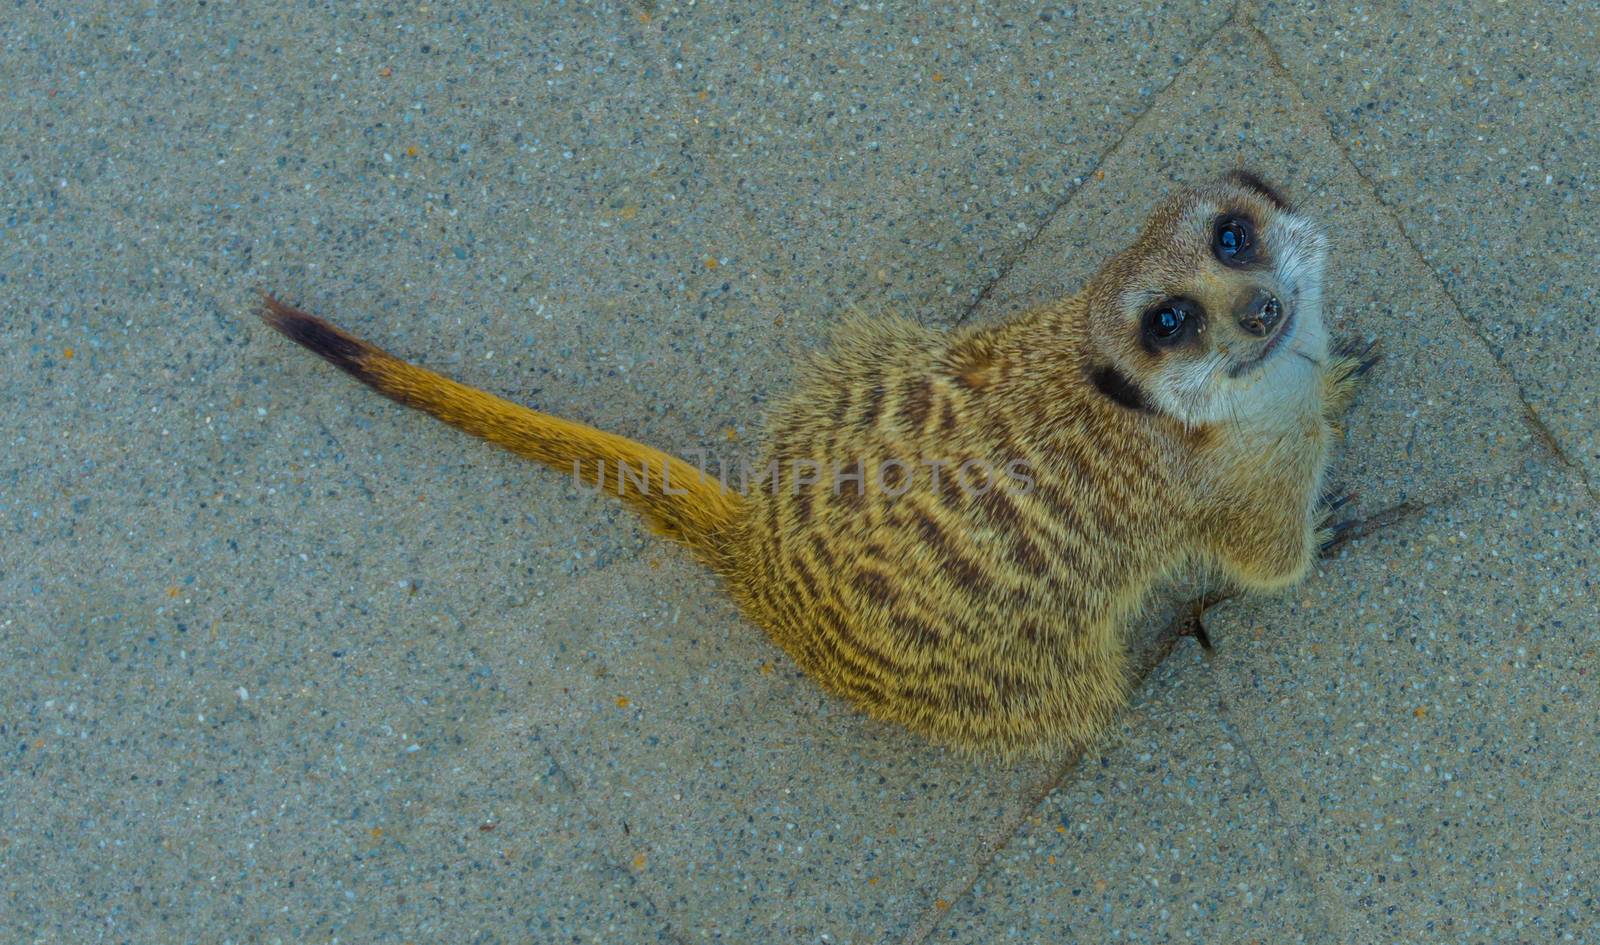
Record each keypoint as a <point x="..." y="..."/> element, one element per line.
<point x="676" y="499"/>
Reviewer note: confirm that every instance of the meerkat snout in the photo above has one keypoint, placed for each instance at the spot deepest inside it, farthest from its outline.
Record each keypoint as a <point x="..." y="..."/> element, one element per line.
<point x="1258" y="312"/>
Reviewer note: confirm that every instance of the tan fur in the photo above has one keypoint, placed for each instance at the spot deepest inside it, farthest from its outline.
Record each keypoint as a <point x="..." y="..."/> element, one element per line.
<point x="991" y="618"/>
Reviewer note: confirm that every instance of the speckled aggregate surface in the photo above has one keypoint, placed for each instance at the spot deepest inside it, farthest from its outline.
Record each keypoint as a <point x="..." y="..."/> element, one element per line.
<point x="280" y="661"/>
<point x="1496" y="109"/>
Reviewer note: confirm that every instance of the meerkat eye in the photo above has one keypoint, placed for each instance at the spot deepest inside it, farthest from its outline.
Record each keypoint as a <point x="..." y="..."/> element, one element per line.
<point x="1234" y="240"/>
<point x="1170" y="321"/>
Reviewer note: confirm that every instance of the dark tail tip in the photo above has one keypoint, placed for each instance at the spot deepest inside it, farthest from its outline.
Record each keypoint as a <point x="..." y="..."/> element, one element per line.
<point x="345" y="352"/>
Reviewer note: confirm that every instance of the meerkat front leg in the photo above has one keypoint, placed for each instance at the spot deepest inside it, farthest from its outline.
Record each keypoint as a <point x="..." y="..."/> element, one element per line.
<point x="1265" y="511"/>
<point x="1350" y="362"/>
<point x="1266" y="548"/>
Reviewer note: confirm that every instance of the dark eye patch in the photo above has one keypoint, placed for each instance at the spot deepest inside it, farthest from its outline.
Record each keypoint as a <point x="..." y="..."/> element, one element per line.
<point x="1169" y="323"/>
<point x="1235" y="242"/>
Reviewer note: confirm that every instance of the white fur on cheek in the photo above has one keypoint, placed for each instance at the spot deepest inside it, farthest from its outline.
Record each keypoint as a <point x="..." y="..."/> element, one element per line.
<point x="1189" y="390"/>
<point x="1301" y="251"/>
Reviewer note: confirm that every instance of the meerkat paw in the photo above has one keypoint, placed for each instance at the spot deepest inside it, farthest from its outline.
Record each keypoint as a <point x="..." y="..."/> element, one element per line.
<point x="1330" y="535"/>
<point x="1349" y="364"/>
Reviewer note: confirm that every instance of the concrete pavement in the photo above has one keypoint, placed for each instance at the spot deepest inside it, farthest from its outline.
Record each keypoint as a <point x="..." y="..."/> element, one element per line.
<point x="280" y="661"/>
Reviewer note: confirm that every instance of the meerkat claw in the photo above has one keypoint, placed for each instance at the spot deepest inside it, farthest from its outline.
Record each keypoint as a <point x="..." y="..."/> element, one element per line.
<point x="1193" y="624"/>
<point x="1195" y="627"/>
<point x="1330" y="537"/>
<point x="1335" y="535"/>
<point x="1333" y="500"/>
<point x="1365" y="355"/>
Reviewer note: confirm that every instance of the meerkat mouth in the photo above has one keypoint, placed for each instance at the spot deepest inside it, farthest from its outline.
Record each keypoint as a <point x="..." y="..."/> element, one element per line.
<point x="1273" y="344"/>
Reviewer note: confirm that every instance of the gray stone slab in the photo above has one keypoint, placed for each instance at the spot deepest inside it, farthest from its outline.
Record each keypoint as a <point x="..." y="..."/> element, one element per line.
<point x="255" y="584"/>
<point x="1426" y="427"/>
<point x="1426" y="711"/>
<point x="1166" y="833"/>
<point x="755" y="807"/>
<point x="261" y="586"/>
<point x="291" y="817"/>
<point x="1401" y="750"/>
<point x="900" y="157"/>
<point x="275" y="652"/>
<point x="439" y="183"/>
<point x="1435" y="413"/>
<point x="1478" y="126"/>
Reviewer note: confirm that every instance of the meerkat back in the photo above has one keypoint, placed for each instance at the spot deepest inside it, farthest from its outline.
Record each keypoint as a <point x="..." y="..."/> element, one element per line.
<point x="931" y="534"/>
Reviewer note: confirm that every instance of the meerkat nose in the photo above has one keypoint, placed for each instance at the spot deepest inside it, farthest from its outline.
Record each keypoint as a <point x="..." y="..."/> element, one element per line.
<point x="1259" y="312"/>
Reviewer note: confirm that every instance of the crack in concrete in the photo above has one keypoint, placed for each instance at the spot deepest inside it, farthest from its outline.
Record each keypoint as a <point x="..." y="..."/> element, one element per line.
<point x="1177" y="629"/>
<point x="614" y="869"/>
<point x="1290" y="855"/>
<point x="958" y="889"/>
<point x="1009" y="261"/>
<point x="1541" y="430"/>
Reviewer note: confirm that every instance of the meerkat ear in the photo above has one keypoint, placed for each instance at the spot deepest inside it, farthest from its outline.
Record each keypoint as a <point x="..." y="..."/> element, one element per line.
<point x="1253" y="181"/>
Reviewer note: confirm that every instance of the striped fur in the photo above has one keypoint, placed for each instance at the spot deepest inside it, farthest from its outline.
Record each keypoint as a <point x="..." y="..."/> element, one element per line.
<point x="990" y="614"/>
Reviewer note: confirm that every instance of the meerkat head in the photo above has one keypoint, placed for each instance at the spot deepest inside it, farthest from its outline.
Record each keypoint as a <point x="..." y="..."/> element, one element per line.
<point x="1215" y="312"/>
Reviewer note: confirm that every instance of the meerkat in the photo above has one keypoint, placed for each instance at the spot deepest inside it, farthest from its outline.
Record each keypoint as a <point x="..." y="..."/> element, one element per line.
<point x="1002" y="498"/>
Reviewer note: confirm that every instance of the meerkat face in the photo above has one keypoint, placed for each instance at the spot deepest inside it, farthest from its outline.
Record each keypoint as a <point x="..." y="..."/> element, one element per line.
<point x="1215" y="312"/>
